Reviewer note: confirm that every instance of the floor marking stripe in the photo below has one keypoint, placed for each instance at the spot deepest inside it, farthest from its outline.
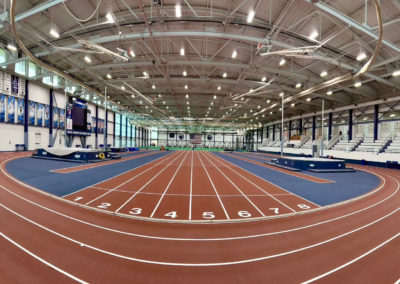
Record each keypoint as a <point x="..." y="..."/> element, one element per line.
<point x="169" y="184"/>
<point x="268" y="194"/>
<point x="147" y="183"/>
<point x="203" y="264"/>
<point x="191" y="188"/>
<point x="352" y="261"/>
<point x="42" y="260"/>
<point x="215" y="190"/>
<point x="120" y="174"/>
<point x="202" y="239"/>
<point x="128" y="180"/>
<point x="299" y="175"/>
<point x="238" y="189"/>
<point x="271" y="183"/>
<point x="195" y="195"/>
<point x="99" y="164"/>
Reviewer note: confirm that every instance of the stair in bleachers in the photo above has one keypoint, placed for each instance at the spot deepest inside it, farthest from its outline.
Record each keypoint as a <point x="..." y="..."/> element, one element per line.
<point x="369" y="145"/>
<point x="394" y="146"/>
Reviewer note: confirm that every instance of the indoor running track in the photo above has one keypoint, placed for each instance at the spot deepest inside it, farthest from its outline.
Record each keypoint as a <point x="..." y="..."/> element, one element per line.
<point x="45" y="239"/>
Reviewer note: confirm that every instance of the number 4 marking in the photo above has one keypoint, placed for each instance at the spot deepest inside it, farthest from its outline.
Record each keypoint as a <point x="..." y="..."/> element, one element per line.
<point x="172" y="214"/>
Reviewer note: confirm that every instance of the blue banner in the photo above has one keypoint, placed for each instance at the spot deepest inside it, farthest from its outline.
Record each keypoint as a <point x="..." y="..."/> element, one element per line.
<point x="20" y="111"/>
<point x="47" y="116"/>
<point x="32" y="113"/>
<point x="2" y="108"/>
<point x="11" y="110"/>
<point x="62" y="118"/>
<point x="40" y="111"/>
<point x="55" y="117"/>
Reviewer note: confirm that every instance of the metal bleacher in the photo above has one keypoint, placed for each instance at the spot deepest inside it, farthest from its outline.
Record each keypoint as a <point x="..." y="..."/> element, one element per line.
<point x="394" y="146"/>
<point x="369" y="145"/>
<point x="344" y="145"/>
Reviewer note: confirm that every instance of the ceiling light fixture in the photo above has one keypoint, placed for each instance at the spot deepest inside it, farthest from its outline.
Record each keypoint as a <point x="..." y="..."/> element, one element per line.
<point x="109" y="76"/>
<point x="234" y="53"/>
<point x="184" y="73"/>
<point x="329" y="92"/>
<point x="308" y="99"/>
<point x="324" y="74"/>
<point x="178" y="10"/>
<point x="54" y="33"/>
<point x="358" y="84"/>
<point x="298" y="85"/>
<point x="225" y="75"/>
<point x="11" y="47"/>
<point x="219" y="88"/>
<point x="87" y="59"/>
<point x="313" y="36"/>
<point x="282" y="62"/>
<point x="182" y="51"/>
<point x="396" y="73"/>
<point x="186" y="87"/>
<point x="153" y="87"/>
<point x="110" y="18"/>
<point x="123" y="88"/>
<point x="361" y="56"/>
<point x="250" y="16"/>
<point x="263" y="79"/>
<point x="132" y="53"/>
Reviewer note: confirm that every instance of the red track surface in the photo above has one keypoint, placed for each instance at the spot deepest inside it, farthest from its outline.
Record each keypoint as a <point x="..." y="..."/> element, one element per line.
<point x="191" y="186"/>
<point x="44" y="239"/>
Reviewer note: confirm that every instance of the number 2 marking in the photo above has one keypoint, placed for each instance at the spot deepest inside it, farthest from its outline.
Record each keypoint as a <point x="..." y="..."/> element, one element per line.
<point x="104" y="205"/>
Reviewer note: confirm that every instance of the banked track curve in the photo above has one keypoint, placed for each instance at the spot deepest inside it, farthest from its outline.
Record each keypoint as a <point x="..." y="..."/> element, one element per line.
<point x="291" y="249"/>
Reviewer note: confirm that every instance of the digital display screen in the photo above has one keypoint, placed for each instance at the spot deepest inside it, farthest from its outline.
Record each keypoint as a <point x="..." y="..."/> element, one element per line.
<point x="79" y="118"/>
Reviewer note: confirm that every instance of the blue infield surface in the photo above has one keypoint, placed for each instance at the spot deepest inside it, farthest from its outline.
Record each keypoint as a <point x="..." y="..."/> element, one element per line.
<point x="346" y="185"/>
<point x="37" y="172"/>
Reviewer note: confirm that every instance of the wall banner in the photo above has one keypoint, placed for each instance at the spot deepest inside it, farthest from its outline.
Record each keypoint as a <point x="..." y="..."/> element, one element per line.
<point x="32" y="112"/>
<point x="2" y="108"/>
<point x="40" y="111"/>
<point x="20" y="111"/>
<point x="11" y="110"/>
<point x="47" y="116"/>
<point x="55" y="117"/>
<point x="62" y="118"/>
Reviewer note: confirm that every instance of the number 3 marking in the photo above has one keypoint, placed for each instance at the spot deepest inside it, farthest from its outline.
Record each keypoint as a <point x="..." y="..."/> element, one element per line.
<point x="135" y="211"/>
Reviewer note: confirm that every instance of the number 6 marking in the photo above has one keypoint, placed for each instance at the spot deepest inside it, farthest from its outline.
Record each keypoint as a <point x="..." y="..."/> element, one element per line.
<point x="244" y="214"/>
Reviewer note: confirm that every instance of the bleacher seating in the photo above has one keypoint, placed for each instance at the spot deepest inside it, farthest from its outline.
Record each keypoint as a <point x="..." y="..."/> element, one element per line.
<point x="369" y="145"/>
<point x="344" y="145"/>
<point x="394" y="146"/>
<point x="308" y="144"/>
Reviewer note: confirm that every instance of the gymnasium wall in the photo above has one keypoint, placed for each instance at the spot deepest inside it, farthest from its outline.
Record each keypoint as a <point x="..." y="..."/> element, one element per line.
<point x="38" y="135"/>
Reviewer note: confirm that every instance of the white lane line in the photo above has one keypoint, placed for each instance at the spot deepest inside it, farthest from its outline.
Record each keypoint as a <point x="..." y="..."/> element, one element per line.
<point x="147" y="183"/>
<point x="128" y="180"/>
<point x="268" y="194"/>
<point x="352" y="261"/>
<point x="237" y="188"/>
<point x="195" y="239"/>
<point x="169" y="184"/>
<point x="142" y="165"/>
<point x="191" y="188"/>
<point x="42" y="260"/>
<point x="397" y="282"/>
<point x="270" y="182"/>
<point x="215" y="190"/>
<point x="242" y="261"/>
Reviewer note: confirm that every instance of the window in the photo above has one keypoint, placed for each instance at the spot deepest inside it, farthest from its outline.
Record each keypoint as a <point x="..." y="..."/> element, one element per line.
<point x="20" y="68"/>
<point x="48" y="80"/>
<point x="32" y="69"/>
<point x="3" y="57"/>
